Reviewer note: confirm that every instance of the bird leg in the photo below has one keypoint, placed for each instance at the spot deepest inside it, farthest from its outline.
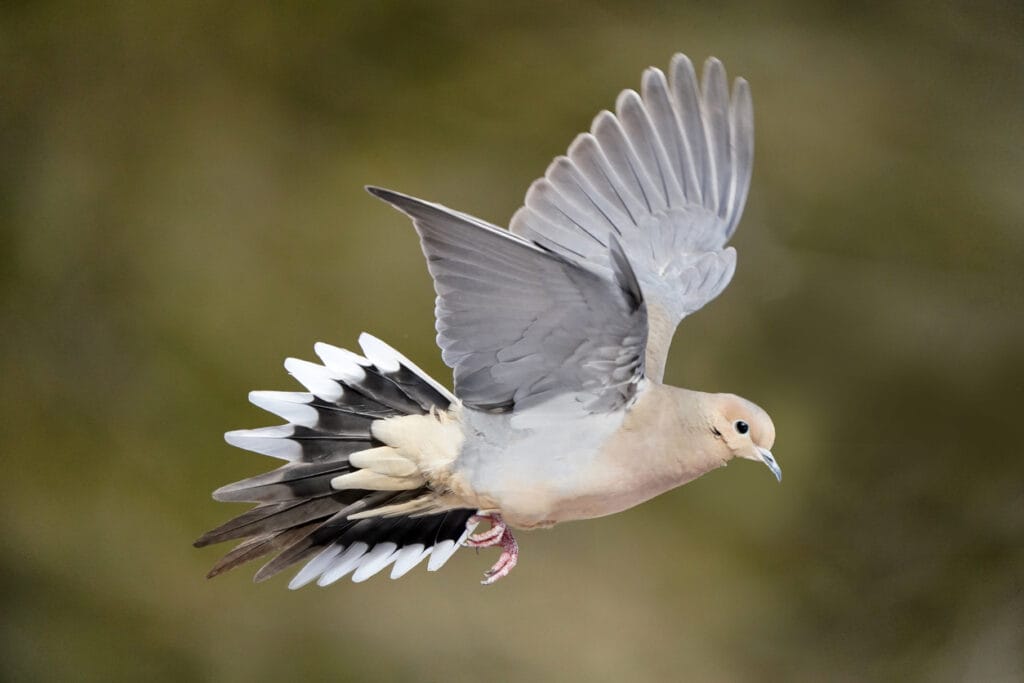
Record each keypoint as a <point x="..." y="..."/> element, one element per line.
<point x="498" y="534"/>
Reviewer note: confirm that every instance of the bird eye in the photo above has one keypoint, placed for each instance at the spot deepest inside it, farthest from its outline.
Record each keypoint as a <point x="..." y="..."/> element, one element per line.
<point x="742" y="427"/>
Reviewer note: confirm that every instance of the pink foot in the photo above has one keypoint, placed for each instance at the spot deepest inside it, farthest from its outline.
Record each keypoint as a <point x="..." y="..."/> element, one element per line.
<point x="498" y="534"/>
<point x="489" y="538"/>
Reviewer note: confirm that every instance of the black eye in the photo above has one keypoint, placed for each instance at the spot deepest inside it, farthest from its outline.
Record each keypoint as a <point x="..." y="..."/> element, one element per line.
<point x="742" y="427"/>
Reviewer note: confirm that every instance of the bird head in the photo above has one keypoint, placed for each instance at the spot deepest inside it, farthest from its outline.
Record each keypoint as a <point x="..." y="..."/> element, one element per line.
<point x="745" y="429"/>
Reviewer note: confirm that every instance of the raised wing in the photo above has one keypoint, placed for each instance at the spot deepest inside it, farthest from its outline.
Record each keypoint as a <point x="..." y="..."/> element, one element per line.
<point x="519" y="324"/>
<point x="667" y="177"/>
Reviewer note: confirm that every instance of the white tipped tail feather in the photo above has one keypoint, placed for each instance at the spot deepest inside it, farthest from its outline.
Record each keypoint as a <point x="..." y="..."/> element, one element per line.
<point x="353" y="497"/>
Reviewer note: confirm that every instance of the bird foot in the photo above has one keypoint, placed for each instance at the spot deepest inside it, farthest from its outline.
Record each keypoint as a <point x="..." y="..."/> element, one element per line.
<point x="498" y="534"/>
<point x="489" y="538"/>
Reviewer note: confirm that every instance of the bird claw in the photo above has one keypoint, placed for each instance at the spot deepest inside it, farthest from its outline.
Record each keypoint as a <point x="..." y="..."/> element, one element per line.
<point x="506" y="562"/>
<point x="498" y="534"/>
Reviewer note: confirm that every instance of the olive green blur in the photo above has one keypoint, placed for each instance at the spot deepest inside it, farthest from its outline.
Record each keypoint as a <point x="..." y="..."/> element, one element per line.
<point x="181" y="207"/>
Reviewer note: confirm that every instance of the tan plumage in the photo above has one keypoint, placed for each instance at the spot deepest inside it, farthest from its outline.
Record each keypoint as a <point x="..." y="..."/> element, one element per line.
<point x="557" y="332"/>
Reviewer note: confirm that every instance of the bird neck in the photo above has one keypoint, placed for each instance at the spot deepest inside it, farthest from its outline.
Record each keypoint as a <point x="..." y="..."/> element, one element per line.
<point x="670" y="429"/>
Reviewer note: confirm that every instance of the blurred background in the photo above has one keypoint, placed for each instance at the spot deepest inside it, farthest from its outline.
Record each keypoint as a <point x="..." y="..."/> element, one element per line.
<point x="181" y="207"/>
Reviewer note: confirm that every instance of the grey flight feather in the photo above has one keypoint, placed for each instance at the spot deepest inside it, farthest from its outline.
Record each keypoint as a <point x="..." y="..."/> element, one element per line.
<point x="520" y="324"/>
<point x="668" y="176"/>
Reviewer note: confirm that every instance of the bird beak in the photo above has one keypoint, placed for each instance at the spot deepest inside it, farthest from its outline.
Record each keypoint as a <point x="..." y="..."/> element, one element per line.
<point x="769" y="460"/>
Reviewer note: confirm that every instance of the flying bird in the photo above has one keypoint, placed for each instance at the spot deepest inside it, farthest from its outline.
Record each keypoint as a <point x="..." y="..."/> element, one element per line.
<point x="557" y="331"/>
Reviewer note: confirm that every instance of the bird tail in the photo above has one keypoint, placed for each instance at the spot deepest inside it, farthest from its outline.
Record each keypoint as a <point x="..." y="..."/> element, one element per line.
<point x="380" y="516"/>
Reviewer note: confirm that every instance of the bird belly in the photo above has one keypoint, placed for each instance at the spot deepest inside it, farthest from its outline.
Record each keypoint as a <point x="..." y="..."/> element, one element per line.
<point x="533" y="501"/>
<point x="539" y="475"/>
<point x="586" y="476"/>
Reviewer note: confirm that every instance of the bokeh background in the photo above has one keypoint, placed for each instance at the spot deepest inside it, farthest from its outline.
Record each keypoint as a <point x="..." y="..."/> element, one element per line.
<point x="181" y="207"/>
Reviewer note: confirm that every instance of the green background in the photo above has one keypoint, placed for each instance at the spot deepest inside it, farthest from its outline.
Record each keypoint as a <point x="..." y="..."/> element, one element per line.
<point x="181" y="207"/>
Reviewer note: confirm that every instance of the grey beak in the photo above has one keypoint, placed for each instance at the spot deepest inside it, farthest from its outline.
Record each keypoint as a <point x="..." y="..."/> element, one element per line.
<point x="769" y="460"/>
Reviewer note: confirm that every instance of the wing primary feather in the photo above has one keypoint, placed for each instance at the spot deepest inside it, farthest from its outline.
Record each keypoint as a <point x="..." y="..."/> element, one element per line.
<point x="715" y="111"/>
<point x="646" y="146"/>
<point x="585" y="152"/>
<point x="656" y="96"/>
<point x="741" y="123"/>
<point x="683" y="84"/>
<point x="614" y="143"/>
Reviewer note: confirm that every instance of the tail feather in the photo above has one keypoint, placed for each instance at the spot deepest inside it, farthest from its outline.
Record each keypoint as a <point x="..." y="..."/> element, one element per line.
<point x="299" y="514"/>
<point x="242" y="525"/>
<point x="291" y="482"/>
<point x="305" y="410"/>
<point x="371" y="381"/>
<point x="386" y="393"/>
<point x="415" y="383"/>
<point x="259" y="546"/>
<point x="443" y="532"/>
<point x="273" y="517"/>
<point x="320" y="536"/>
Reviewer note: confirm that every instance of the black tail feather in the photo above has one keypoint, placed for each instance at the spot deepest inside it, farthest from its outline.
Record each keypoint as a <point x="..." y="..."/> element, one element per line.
<point x="291" y="482"/>
<point x="298" y="513"/>
<point x="258" y="546"/>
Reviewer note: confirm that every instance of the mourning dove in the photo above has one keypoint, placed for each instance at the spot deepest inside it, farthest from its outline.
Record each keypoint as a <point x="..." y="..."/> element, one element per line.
<point x="557" y="331"/>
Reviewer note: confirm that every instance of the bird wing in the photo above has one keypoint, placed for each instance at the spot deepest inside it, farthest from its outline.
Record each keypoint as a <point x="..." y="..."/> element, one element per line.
<point x="667" y="176"/>
<point x="520" y="324"/>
